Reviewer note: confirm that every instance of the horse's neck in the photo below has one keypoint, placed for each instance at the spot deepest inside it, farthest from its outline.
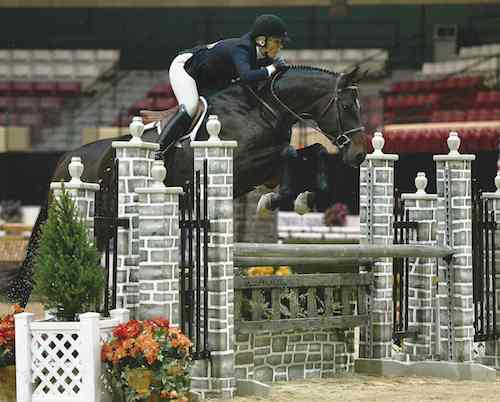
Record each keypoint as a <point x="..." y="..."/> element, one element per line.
<point x="301" y="89"/>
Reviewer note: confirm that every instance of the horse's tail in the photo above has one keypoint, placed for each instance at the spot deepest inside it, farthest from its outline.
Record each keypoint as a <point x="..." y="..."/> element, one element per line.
<point x="19" y="290"/>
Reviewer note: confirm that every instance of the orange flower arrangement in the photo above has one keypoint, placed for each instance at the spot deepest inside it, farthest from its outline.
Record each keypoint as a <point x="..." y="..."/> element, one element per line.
<point x="152" y="345"/>
<point x="268" y="271"/>
<point x="7" y="337"/>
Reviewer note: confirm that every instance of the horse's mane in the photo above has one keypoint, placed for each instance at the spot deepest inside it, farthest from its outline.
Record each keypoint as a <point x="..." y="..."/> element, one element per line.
<point x="236" y="88"/>
<point x="302" y="67"/>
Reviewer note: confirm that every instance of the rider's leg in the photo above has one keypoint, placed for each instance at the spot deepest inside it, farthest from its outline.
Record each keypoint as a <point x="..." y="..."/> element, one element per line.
<point x="186" y="92"/>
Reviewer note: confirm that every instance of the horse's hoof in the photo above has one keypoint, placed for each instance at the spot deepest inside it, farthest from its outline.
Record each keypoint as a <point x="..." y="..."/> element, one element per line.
<point x="264" y="204"/>
<point x="300" y="204"/>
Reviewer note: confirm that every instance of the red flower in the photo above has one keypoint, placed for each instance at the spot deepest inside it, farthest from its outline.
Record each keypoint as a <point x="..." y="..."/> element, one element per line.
<point x="157" y="323"/>
<point x="129" y="330"/>
<point x="120" y="331"/>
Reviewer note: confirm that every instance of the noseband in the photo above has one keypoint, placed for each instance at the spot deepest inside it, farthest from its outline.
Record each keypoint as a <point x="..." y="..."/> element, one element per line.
<point x="345" y="136"/>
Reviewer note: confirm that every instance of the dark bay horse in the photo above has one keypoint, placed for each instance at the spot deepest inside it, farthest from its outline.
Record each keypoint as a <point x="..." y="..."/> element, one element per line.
<point x="260" y="121"/>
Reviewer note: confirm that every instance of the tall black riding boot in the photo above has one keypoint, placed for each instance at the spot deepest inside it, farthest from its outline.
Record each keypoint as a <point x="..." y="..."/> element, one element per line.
<point x="175" y="129"/>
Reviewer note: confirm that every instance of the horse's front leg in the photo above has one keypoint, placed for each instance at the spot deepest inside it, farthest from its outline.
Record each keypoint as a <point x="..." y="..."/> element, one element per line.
<point x="316" y="190"/>
<point x="288" y="187"/>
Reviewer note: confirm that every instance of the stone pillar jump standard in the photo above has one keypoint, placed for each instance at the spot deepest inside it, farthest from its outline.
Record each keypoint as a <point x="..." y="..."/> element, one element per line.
<point x="454" y="214"/>
<point x="135" y="161"/>
<point x="421" y="208"/>
<point x="218" y="378"/>
<point x="159" y="248"/>
<point x="376" y="224"/>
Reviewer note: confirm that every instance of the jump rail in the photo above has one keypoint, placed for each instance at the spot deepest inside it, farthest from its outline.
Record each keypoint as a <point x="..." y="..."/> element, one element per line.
<point x="246" y="254"/>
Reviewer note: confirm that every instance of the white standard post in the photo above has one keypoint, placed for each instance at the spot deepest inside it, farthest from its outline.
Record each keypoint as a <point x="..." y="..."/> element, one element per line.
<point x="24" y="387"/>
<point x="454" y="229"/>
<point x="421" y="208"/>
<point x="376" y="205"/>
<point x="159" y="237"/>
<point x="135" y="160"/>
<point x="219" y="156"/>
<point x="90" y="357"/>
<point x="83" y="194"/>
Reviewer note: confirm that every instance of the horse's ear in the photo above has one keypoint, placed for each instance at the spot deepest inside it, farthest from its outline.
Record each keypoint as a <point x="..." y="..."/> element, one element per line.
<point x="350" y="77"/>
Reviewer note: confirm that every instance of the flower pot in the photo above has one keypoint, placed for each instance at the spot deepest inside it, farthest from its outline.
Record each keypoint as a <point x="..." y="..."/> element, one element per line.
<point x="8" y="384"/>
<point x="139" y="380"/>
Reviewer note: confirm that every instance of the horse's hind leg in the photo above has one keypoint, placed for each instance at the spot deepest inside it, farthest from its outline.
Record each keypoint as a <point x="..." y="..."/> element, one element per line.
<point x="287" y="190"/>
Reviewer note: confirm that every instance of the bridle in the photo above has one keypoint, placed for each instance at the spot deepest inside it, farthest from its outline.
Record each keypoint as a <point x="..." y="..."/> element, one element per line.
<point x="341" y="140"/>
<point x="345" y="136"/>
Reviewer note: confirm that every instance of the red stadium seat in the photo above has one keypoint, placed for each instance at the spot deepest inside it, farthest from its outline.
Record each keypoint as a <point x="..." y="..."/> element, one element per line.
<point x="396" y="87"/>
<point x="390" y="102"/>
<point x="161" y="90"/>
<point x="164" y="103"/>
<point x="50" y="102"/>
<point x="472" y="115"/>
<point x="481" y="98"/>
<point x="5" y="87"/>
<point x="26" y="103"/>
<point x="22" y="87"/>
<point x="6" y="102"/>
<point x="140" y="105"/>
<point x="31" y="119"/>
<point x="44" y="88"/>
<point x="495" y="98"/>
<point x="68" y="88"/>
<point x="457" y="115"/>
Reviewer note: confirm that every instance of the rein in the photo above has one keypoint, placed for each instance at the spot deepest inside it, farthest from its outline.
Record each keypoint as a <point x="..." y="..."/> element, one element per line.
<point x="340" y="141"/>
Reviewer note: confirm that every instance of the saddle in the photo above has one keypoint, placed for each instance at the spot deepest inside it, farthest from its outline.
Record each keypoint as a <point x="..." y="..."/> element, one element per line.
<point x="162" y="117"/>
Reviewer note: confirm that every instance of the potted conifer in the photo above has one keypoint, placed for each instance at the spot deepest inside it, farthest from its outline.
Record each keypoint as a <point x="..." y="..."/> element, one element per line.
<point x="68" y="277"/>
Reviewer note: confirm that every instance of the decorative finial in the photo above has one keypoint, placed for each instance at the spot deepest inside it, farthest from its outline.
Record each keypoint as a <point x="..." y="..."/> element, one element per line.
<point x="159" y="173"/>
<point x="378" y="143"/>
<point x="75" y="169"/>
<point x="453" y="143"/>
<point x="136" y="129"/>
<point x="213" y="128"/>
<point x="421" y="183"/>
<point x="497" y="182"/>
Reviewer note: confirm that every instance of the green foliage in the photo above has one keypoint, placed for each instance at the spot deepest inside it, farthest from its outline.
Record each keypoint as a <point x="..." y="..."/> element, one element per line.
<point x="68" y="276"/>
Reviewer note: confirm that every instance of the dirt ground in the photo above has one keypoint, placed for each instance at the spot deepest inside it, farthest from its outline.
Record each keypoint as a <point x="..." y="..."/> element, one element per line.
<point x="380" y="389"/>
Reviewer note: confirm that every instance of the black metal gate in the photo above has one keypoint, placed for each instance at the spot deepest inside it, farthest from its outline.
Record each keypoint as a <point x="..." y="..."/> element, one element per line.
<point x="194" y="225"/>
<point x="483" y="267"/>
<point x="404" y="231"/>
<point x="106" y="224"/>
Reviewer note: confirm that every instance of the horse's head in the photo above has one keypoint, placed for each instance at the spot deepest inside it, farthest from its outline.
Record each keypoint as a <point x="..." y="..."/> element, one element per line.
<point x="331" y="100"/>
<point x="338" y="116"/>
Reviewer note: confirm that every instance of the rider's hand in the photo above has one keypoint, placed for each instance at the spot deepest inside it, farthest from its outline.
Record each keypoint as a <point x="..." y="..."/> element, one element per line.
<point x="281" y="65"/>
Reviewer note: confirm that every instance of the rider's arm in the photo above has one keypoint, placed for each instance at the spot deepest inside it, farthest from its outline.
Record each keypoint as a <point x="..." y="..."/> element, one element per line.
<point x="241" y="60"/>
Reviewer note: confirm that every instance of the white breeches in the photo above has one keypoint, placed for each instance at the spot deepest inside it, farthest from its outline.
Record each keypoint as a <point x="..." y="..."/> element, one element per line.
<point x="183" y="85"/>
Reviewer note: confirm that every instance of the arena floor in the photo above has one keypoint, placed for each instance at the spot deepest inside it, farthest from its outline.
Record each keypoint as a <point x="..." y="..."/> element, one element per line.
<point x="377" y="389"/>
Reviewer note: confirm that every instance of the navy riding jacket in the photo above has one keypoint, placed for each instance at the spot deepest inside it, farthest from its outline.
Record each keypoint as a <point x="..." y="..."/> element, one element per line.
<point x="215" y="66"/>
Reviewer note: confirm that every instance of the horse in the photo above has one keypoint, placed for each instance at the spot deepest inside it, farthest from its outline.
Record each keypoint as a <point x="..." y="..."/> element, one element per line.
<point x="260" y="120"/>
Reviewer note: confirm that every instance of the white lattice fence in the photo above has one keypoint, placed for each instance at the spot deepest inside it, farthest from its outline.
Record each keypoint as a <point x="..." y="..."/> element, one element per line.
<point x="61" y="361"/>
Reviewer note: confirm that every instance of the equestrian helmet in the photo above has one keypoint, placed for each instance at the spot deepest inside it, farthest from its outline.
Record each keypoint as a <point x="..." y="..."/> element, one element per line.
<point x="270" y="25"/>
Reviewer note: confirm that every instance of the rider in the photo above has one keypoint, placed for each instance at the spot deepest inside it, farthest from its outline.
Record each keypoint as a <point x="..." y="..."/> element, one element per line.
<point x="248" y="59"/>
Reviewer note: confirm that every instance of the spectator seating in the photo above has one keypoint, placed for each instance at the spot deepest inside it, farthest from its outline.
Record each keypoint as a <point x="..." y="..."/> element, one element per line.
<point x="339" y="60"/>
<point x="83" y="65"/>
<point x="482" y="59"/>
<point x="431" y="137"/>
<point x="451" y="99"/>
